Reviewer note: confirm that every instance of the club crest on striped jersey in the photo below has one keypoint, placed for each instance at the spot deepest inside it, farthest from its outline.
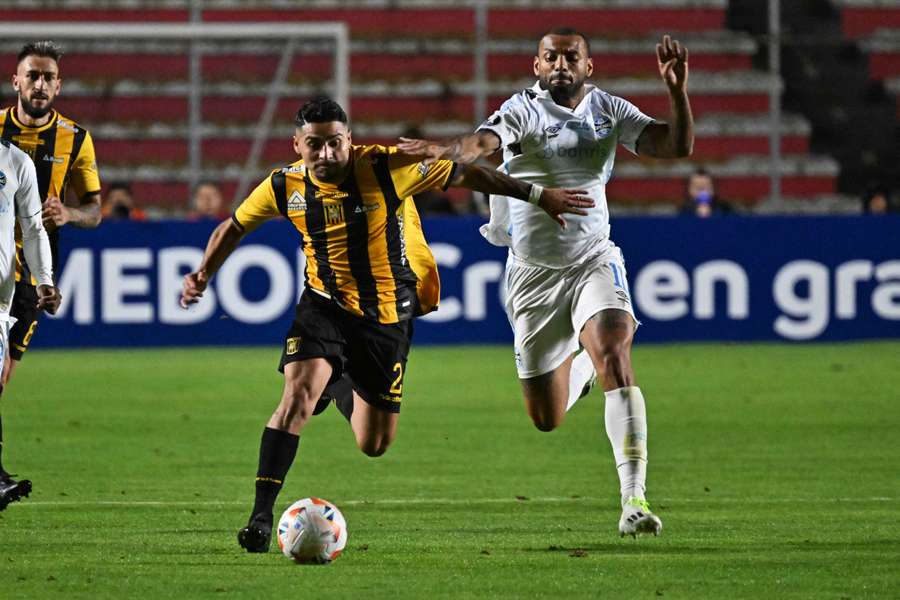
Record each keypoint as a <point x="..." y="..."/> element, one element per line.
<point x="334" y="212"/>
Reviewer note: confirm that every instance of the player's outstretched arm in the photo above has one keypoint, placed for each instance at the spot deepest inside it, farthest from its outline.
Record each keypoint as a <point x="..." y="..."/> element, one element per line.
<point x="674" y="139"/>
<point x="554" y="201"/>
<point x="224" y="239"/>
<point x="464" y="149"/>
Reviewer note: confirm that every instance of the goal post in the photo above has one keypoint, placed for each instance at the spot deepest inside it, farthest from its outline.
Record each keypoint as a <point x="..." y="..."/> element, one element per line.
<point x="291" y="36"/>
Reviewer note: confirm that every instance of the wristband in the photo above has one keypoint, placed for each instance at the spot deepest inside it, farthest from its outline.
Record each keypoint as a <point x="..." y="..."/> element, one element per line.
<point x="534" y="194"/>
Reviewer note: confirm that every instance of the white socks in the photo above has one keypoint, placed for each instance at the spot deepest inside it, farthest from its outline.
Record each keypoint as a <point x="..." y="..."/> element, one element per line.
<point x="626" y="427"/>
<point x="580" y="374"/>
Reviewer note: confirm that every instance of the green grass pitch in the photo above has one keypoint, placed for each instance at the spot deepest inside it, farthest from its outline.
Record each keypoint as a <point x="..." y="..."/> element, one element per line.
<point x="775" y="470"/>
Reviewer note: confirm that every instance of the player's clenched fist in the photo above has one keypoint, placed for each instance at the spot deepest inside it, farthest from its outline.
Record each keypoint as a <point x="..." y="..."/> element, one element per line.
<point x="48" y="298"/>
<point x="54" y="214"/>
<point x="193" y="287"/>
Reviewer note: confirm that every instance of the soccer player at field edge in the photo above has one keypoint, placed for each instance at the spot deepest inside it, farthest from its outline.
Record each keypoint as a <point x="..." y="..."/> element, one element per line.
<point x="63" y="155"/>
<point x="369" y="272"/>
<point x="20" y="203"/>
<point x="567" y="289"/>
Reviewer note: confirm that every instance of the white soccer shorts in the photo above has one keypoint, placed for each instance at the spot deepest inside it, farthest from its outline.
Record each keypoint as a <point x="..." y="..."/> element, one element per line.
<point x="547" y="308"/>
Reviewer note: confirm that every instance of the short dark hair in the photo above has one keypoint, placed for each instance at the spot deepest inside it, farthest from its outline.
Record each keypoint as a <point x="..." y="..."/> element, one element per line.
<point x="47" y="48"/>
<point x="567" y="31"/>
<point x="205" y="183"/>
<point x="320" y="109"/>
<point x="119" y="185"/>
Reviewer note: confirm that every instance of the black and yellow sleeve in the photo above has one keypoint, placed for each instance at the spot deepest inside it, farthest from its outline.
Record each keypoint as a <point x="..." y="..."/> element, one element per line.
<point x="412" y="176"/>
<point x="83" y="175"/>
<point x="258" y="207"/>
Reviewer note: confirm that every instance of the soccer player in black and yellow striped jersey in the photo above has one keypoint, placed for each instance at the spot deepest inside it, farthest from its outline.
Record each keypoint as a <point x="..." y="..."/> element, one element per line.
<point x="63" y="156"/>
<point x="369" y="271"/>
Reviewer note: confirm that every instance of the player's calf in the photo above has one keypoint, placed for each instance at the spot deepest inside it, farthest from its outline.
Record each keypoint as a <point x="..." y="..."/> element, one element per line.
<point x="546" y="397"/>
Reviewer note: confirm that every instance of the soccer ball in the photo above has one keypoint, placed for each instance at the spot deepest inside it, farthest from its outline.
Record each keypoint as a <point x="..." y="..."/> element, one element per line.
<point x="312" y="530"/>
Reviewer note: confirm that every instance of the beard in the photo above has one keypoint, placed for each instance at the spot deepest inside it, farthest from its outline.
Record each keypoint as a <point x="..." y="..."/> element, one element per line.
<point x="36" y="112"/>
<point x="561" y="91"/>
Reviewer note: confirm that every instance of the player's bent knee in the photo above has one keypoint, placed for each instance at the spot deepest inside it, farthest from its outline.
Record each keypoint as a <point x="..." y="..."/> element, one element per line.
<point x="374" y="446"/>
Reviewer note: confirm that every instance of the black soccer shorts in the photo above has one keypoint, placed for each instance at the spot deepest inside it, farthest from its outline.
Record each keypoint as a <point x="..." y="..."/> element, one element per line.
<point x="24" y="309"/>
<point x="372" y="354"/>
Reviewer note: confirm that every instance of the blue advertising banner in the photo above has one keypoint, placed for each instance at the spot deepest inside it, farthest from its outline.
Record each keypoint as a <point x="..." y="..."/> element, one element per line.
<point x="728" y="279"/>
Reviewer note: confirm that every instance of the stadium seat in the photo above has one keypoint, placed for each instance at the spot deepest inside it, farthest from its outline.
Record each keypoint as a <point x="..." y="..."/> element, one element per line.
<point x="411" y="64"/>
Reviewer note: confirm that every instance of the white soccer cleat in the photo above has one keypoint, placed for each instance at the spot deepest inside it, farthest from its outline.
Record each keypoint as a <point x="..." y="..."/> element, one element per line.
<point x="638" y="518"/>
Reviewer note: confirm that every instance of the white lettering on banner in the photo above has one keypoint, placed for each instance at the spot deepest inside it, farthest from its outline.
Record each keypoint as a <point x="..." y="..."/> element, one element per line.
<point x="76" y="285"/>
<point x="475" y="280"/>
<point x="846" y="278"/>
<point x="738" y="289"/>
<point x="281" y="284"/>
<point x="173" y="263"/>
<point x="886" y="298"/>
<point x="810" y="312"/>
<point x="450" y="309"/>
<point x="116" y="284"/>
<point x="661" y="289"/>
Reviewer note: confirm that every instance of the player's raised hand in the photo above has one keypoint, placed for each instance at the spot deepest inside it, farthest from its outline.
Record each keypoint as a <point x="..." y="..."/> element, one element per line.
<point x="192" y="288"/>
<point x="672" y="59"/>
<point x="427" y="150"/>
<point x="55" y="214"/>
<point x="48" y="298"/>
<point x="556" y="201"/>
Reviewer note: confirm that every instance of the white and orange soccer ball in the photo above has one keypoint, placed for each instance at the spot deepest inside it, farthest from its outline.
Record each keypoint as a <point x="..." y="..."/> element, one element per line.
<point x="312" y="530"/>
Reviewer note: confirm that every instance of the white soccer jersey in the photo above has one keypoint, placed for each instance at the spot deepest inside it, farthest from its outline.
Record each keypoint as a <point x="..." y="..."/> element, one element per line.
<point x="19" y="198"/>
<point x="555" y="146"/>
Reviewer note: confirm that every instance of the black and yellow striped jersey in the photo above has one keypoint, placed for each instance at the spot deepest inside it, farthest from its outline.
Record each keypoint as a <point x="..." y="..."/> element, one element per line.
<point x="63" y="155"/>
<point x="362" y="238"/>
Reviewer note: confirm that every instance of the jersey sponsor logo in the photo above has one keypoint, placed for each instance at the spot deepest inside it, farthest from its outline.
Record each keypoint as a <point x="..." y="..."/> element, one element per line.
<point x="292" y="346"/>
<point x="67" y="125"/>
<point x="553" y="130"/>
<point x="602" y="126"/>
<point x="296" y="202"/>
<point x="329" y="195"/>
<point x="55" y="159"/>
<point x="366" y="208"/>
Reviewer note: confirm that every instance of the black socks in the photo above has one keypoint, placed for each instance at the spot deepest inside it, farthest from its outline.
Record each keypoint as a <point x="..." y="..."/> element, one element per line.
<point x="276" y="454"/>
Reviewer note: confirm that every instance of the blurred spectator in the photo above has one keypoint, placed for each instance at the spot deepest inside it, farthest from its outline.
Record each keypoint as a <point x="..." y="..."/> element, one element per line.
<point x="119" y="204"/>
<point x="877" y="201"/>
<point x="702" y="200"/>
<point x="207" y="203"/>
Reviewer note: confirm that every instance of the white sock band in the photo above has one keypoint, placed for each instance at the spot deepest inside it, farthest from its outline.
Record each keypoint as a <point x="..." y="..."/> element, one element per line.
<point x="534" y="194"/>
<point x="580" y="374"/>
<point x="626" y="427"/>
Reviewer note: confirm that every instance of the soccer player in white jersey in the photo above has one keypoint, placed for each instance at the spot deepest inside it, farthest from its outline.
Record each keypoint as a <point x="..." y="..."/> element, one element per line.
<point x="19" y="198"/>
<point x="566" y="287"/>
